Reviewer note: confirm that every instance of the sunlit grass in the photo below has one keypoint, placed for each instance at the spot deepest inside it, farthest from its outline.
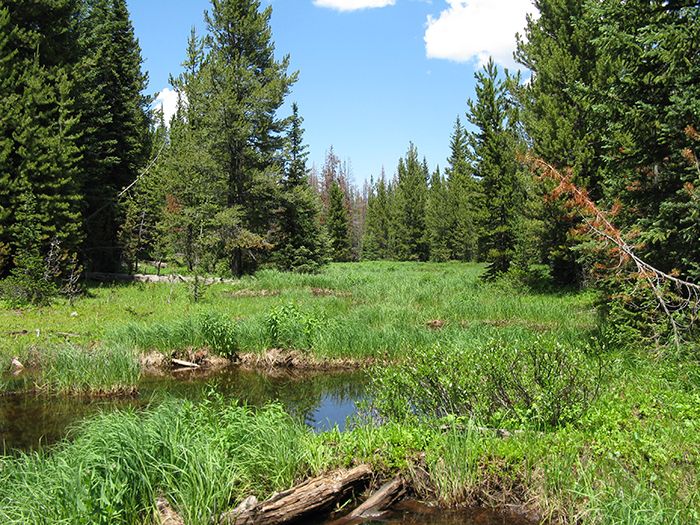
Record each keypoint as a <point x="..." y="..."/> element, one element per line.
<point x="365" y="310"/>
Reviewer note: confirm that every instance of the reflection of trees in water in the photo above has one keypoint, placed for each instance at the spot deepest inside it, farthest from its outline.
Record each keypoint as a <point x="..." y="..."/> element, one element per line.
<point x="29" y="421"/>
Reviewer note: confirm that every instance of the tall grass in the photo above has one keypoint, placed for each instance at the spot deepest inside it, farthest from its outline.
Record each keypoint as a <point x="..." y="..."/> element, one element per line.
<point x="203" y="458"/>
<point x="364" y="310"/>
<point x="69" y="369"/>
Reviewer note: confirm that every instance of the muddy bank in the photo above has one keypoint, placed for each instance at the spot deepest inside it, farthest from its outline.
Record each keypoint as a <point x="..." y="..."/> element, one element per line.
<point x="271" y="361"/>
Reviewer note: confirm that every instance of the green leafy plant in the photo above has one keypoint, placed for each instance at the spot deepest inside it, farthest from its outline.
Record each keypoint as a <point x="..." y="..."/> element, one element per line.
<point x="288" y="327"/>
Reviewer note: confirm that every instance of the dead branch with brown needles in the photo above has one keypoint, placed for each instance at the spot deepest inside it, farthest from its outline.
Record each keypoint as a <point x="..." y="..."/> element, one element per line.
<point x="672" y="294"/>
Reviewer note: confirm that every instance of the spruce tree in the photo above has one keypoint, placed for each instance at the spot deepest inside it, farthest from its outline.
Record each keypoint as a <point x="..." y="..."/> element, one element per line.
<point x="464" y="199"/>
<point x="8" y="117"/>
<point x="375" y="245"/>
<point x="338" y="224"/>
<point x="302" y="244"/>
<point x="115" y="122"/>
<point x="438" y="222"/>
<point x="494" y="147"/>
<point x="38" y="125"/>
<point x="650" y="116"/>
<point x="408" y="209"/>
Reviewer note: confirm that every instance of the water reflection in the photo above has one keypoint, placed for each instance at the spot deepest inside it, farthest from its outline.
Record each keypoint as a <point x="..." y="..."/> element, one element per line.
<point x="320" y="400"/>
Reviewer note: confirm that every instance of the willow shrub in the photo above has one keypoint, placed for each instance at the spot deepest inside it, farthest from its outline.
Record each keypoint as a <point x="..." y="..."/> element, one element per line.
<point x="534" y="383"/>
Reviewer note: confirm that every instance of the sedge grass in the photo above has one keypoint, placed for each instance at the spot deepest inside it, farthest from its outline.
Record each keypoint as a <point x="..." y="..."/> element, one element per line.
<point x="203" y="458"/>
<point x="69" y="369"/>
<point x="374" y="309"/>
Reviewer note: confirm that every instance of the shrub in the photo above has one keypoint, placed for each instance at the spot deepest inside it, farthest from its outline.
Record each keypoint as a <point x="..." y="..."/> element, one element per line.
<point x="536" y="383"/>
<point x="288" y="327"/>
<point x="218" y="333"/>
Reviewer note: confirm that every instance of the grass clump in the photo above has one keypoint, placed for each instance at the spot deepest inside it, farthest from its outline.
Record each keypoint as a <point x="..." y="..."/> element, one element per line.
<point x="211" y="330"/>
<point x="69" y="369"/>
<point x="203" y="458"/>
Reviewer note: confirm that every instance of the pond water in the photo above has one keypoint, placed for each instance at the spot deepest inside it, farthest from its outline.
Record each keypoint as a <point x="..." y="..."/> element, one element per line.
<point x="411" y="512"/>
<point x="322" y="400"/>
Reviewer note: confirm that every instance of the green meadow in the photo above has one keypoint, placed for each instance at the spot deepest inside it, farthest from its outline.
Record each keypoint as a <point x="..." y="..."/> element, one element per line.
<point x="482" y="394"/>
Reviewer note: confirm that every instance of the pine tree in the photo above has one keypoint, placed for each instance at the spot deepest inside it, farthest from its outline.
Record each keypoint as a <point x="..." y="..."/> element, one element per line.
<point x="375" y="245"/>
<point x="338" y="224"/>
<point x="302" y="244"/>
<point x="558" y="116"/>
<point x="38" y="125"/>
<point x="494" y="146"/>
<point x="408" y="209"/>
<point x="464" y="199"/>
<point x="247" y="86"/>
<point x="8" y="118"/>
<point x="195" y="187"/>
<point x="115" y="122"/>
<point x="438" y="222"/>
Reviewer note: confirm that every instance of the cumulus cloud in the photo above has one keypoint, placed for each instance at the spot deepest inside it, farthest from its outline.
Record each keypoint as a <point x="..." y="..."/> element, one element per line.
<point x="166" y="101"/>
<point x="474" y="30"/>
<point x="353" y="5"/>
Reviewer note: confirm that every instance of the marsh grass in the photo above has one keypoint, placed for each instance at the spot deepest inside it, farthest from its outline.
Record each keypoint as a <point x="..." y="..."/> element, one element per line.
<point x="100" y="371"/>
<point x="381" y="309"/>
<point x="203" y="458"/>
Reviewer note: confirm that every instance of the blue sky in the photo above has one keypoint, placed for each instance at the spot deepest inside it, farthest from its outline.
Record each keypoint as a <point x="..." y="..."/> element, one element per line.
<point x="374" y="74"/>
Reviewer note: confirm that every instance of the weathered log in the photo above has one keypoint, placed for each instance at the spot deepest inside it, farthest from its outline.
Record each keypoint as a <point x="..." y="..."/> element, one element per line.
<point x="377" y="504"/>
<point x="148" y="278"/>
<point x="307" y="499"/>
<point x="381" y="500"/>
<point x="185" y="364"/>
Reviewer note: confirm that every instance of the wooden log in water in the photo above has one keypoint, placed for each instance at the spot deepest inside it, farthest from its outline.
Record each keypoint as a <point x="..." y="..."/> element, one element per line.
<point x="377" y="504"/>
<point x="307" y="499"/>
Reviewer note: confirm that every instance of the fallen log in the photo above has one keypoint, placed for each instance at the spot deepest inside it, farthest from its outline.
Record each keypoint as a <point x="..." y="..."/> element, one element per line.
<point x="306" y="499"/>
<point x="184" y="364"/>
<point x="377" y="504"/>
<point x="148" y="278"/>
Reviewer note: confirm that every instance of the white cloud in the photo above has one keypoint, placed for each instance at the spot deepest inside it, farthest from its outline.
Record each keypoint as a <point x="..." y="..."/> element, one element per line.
<point x="167" y="101"/>
<point x="353" y="5"/>
<point x="474" y="30"/>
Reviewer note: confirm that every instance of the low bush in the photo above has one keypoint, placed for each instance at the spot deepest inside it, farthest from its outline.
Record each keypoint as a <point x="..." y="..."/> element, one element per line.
<point x="538" y="383"/>
<point x="290" y="328"/>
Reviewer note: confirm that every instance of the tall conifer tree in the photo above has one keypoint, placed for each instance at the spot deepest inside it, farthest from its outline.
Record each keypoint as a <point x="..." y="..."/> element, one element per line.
<point x="115" y="122"/>
<point x="376" y="236"/>
<point x="302" y="244"/>
<point x="338" y="224"/>
<point x="438" y="221"/>
<point x="464" y="199"/>
<point x="494" y="147"/>
<point x="408" y="209"/>
<point x="247" y="86"/>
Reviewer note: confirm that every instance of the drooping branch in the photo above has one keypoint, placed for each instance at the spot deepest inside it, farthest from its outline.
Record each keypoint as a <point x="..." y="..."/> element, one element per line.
<point x="598" y="223"/>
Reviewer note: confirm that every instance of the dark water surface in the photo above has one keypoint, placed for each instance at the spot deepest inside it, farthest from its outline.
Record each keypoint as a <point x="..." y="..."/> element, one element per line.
<point x="29" y="421"/>
<point x="414" y="513"/>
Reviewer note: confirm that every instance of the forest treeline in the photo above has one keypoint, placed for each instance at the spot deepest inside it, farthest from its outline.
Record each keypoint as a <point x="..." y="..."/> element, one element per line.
<point x="93" y="179"/>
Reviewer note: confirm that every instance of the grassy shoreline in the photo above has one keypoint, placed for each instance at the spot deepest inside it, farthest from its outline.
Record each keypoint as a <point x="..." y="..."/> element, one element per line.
<point x="495" y="355"/>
